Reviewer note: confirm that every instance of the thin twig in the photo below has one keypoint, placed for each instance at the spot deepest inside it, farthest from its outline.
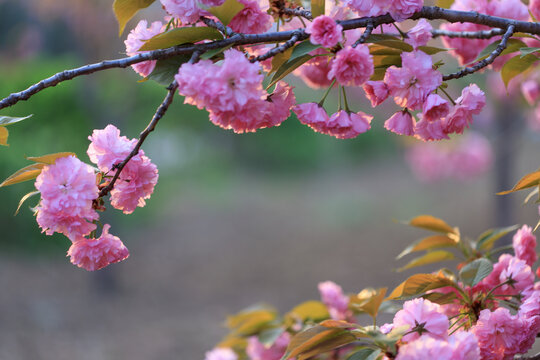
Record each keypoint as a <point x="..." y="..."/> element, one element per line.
<point x="279" y="49"/>
<point x="484" y="34"/>
<point x="297" y="12"/>
<point x="534" y="357"/>
<point x="427" y="12"/>
<point x="487" y="61"/>
<point x="369" y="29"/>
<point x="217" y="25"/>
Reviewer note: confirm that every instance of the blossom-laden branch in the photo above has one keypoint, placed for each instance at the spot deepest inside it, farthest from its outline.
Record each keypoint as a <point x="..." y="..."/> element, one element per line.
<point x="427" y="12"/>
<point x="487" y="61"/>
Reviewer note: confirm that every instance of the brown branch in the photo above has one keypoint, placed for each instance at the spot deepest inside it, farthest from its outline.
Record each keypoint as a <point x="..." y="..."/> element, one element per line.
<point x="225" y="30"/>
<point x="487" y="61"/>
<point x="427" y="12"/>
<point x="297" y="12"/>
<point x="365" y="35"/>
<point x="279" y="49"/>
<point x="484" y="34"/>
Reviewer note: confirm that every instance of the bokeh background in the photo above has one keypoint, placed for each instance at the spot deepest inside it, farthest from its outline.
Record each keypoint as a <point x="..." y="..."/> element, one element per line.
<point x="235" y="219"/>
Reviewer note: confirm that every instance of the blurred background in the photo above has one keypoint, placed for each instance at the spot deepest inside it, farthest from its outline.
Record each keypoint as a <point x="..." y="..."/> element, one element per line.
<point x="235" y="219"/>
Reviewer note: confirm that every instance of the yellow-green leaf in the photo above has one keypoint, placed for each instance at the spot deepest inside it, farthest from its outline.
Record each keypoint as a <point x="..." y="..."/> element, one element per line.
<point x="419" y="284"/>
<point x="395" y="44"/>
<point x="310" y="310"/>
<point x="429" y="243"/>
<point x="386" y="61"/>
<point x="227" y="11"/>
<point x="445" y="3"/>
<point x="24" y="198"/>
<point x="515" y="66"/>
<point x="181" y="36"/>
<point x="487" y="239"/>
<point x="316" y="340"/>
<point x="429" y="258"/>
<point x="27" y="173"/>
<point x="280" y="59"/>
<point x="432" y="223"/>
<point x="50" y="158"/>
<point x="288" y="68"/>
<point x="378" y="74"/>
<point x="8" y="120"/>
<point x="317" y="7"/>
<point x="472" y="273"/>
<point x="124" y="10"/>
<point x="4" y="133"/>
<point x="250" y="322"/>
<point x="513" y="46"/>
<point x="372" y="300"/>
<point x="528" y="181"/>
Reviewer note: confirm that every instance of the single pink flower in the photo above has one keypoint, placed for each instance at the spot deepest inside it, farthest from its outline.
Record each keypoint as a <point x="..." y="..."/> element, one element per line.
<point x="499" y="334"/>
<point x="251" y="19"/>
<point x="435" y="108"/>
<point x="95" y="254"/>
<point x="422" y="317"/>
<point x="534" y="7"/>
<point x="315" y="72"/>
<point x="524" y="243"/>
<point x="257" y="351"/>
<point x="404" y="9"/>
<point x="352" y="66"/>
<point x="282" y="100"/>
<point x="420" y="34"/>
<point x="369" y="7"/>
<point x="471" y="102"/>
<point x="460" y="346"/>
<point x="346" y="125"/>
<point x="221" y="353"/>
<point x="108" y="148"/>
<point x="67" y="188"/>
<point x="312" y="115"/>
<point x="324" y="31"/>
<point x="521" y="275"/>
<point x="401" y="123"/>
<point x="411" y="84"/>
<point x="529" y="312"/>
<point x="430" y="130"/>
<point x="334" y="299"/>
<point x="531" y="91"/>
<point x="136" y="40"/>
<point x="376" y="92"/>
<point x="187" y="11"/>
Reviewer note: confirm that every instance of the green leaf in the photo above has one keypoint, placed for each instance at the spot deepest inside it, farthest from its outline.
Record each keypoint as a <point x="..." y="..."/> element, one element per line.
<point x="288" y="68"/>
<point x="250" y="322"/>
<point x="29" y="172"/>
<point x="386" y="61"/>
<point x="445" y="3"/>
<point x="316" y="340"/>
<point x="513" y="46"/>
<point x="431" y="50"/>
<point x="383" y="50"/>
<point x="211" y="53"/>
<point x="419" y="284"/>
<point x="374" y="38"/>
<point x="227" y="11"/>
<point x="310" y="310"/>
<point x="50" y="158"/>
<point x="8" y="120"/>
<point x="395" y="44"/>
<point x="181" y="36"/>
<point x="472" y="273"/>
<point x="124" y="10"/>
<point x="304" y="48"/>
<point x="429" y="243"/>
<point x="528" y="181"/>
<point x="429" y="258"/>
<point x="24" y="198"/>
<point x="432" y="223"/>
<point x="165" y="69"/>
<point x="4" y="133"/>
<point x="370" y="301"/>
<point x="365" y="354"/>
<point x="528" y="50"/>
<point x="487" y="239"/>
<point x="516" y="66"/>
<point x="280" y="59"/>
<point x="440" y="298"/>
<point x="269" y="336"/>
<point x="317" y="8"/>
<point x="378" y="74"/>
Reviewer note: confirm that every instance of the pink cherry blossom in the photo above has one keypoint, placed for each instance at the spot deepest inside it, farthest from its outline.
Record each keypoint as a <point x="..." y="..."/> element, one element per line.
<point x="376" y="92"/>
<point x="67" y="188"/>
<point x="187" y="11"/>
<point x="499" y="334"/>
<point x="520" y="273"/>
<point x="471" y="102"/>
<point x="108" y="148"/>
<point x="136" y="40"/>
<point x="135" y="184"/>
<point x="466" y="50"/>
<point x="404" y="9"/>
<point x="251" y="19"/>
<point x="324" y="31"/>
<point x="257" y="351"/>
<point x="221" y="353"/>
<point x="529" y="312"/>
<point x="435" y="108"/>
<point x="430" y="130"/>
<point x="352" y="66"/>
<point x="534" y="7"/>
<point x="524" y="243"/>
<point x="369" y="7"/>
<point x="282" y="100"/>
<point x="95" y="254"/>
<point x="510" y="9"/>
<point x="315" y="72"/>
<point x="338" y="303"/>
<point x="420" y="34"/>
<point x="312" y="115"/>
<point x="401" y="123"/>
<point x="422" y="316"/>
<point x="411" y="84"/>
<point x="460" y="346"/>
<point x="531" y="91"/>
<point x="348" y="125"/>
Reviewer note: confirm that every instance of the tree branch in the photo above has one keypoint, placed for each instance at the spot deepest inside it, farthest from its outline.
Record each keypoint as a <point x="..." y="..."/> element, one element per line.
<point x="279" y="49"/>
<point x="297" y="12"/>
<point x="427" y="12"/>
<point x="365" y="35"/>
<point x="487" y="61"/>
<point x="217" y="25"/>
<point x="485" y="34"/>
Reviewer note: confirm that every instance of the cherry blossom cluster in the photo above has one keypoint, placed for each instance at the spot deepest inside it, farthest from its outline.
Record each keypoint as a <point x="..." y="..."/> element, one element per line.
<point x="234" y="97"/>
<point x="70" y="196"/>
<point x="494" y="320"/>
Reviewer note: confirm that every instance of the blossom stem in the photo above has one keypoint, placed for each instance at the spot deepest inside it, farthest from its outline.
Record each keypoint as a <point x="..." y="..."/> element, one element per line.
<point x="345" y="99"/>
<point x="321" y="103"/>
<point x="448" y="96"/>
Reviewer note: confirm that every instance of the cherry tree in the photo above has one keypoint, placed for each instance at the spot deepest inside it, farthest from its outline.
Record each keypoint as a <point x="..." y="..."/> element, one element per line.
<point x="232" y="58"/>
